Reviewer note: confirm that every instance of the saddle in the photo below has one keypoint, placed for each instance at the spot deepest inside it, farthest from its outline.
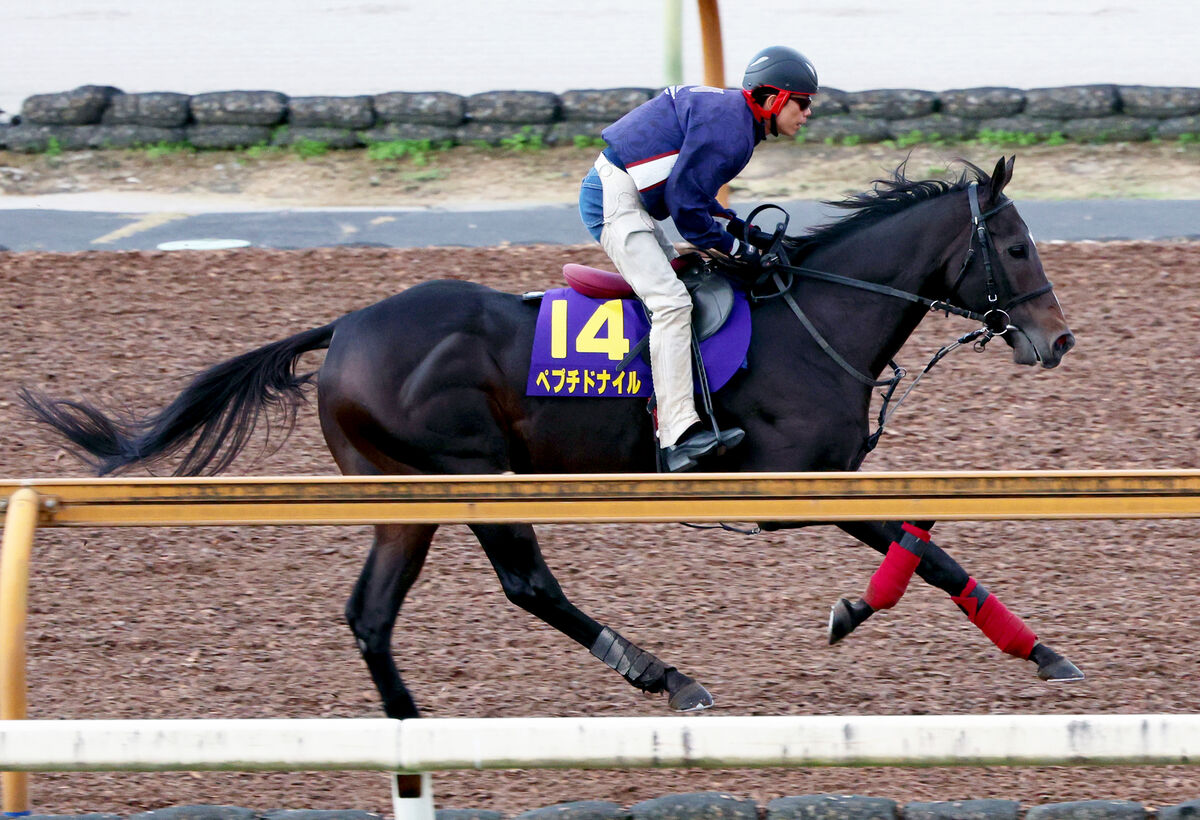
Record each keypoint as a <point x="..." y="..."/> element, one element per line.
<point x="591" y="338"/>
<point x="712" y="294"/>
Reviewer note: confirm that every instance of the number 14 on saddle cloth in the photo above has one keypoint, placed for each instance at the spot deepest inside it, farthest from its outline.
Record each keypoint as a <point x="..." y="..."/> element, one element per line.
<point x="580" y="343"/>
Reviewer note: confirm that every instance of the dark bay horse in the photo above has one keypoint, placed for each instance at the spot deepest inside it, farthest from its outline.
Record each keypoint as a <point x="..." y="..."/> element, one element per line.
<point x="433" y="381"/>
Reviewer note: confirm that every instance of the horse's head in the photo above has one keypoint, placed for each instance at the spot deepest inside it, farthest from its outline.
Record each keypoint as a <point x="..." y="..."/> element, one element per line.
<point x="1002" y="276"/>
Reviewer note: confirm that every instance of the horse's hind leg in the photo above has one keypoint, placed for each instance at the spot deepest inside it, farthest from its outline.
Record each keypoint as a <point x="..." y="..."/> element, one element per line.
<point x="394" y="563"/>
<point x="528" y="583"/>
<point x="908" y="548"/>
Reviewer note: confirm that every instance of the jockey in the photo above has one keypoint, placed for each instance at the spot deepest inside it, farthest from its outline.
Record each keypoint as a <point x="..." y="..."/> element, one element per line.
<point x="668" y="158"/>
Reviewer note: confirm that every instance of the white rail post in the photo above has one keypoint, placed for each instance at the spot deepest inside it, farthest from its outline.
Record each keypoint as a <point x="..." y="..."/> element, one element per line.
<point x="412" y="796"/>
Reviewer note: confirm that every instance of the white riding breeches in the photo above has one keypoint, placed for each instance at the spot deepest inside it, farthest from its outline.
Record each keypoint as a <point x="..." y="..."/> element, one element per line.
<point x="642" y="254"/>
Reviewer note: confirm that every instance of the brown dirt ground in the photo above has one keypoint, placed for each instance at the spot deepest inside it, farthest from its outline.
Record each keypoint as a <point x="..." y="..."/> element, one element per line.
<point x="192" y="623"/>
<point x="464" y="175"/>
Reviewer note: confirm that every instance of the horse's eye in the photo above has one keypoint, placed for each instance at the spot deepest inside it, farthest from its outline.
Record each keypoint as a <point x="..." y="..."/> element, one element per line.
<point x="1018" y="252"/>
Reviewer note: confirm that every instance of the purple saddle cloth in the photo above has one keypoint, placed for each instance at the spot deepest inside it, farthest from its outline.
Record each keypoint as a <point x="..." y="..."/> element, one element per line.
<point x="580" y="342"/>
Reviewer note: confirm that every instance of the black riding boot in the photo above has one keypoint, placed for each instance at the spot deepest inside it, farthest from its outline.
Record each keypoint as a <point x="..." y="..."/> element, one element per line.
<point x="699" y="442"/>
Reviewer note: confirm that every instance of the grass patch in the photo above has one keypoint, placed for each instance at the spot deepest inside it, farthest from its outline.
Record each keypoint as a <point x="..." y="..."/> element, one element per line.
<point x="262" y="150"/>
<point x="584" y="141"/>
<point x="913" y="138"/>
<point x="849" y="141"/>
<point x="310" y="149"/>
<point x="991" y="136"/>
<point x="524" y="141"/>
<point x="416" y="151"/>
<point x="162" y="149"/>
<point x="986" y="137"/>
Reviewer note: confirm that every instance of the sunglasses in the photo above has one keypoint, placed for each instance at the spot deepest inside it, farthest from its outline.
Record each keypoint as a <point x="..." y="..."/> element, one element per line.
<point x="803" y="100"/>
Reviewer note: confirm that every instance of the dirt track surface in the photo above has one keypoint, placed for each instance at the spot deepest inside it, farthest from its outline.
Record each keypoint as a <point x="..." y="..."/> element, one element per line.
<point x="190" y="623"/>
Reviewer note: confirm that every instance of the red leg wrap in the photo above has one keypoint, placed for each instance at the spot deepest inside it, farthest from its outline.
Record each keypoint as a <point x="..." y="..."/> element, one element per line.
<point x="891" y="579"/>
<point x="913" y="529"/>
<point x="1002" y="628"/>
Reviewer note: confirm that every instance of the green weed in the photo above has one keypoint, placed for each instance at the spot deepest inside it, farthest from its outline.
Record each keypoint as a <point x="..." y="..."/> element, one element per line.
<point x="262" y="150"/>
<point x="53" y="147"/>
<point x="162" y="149"/>
<point x="308" y="149"/>
<point x="524" y="140"/>
<point x="584" y="141"/>
<point x="992" y="136"/>
<point x="910" y="139"/>
<point x="417" y="151"/>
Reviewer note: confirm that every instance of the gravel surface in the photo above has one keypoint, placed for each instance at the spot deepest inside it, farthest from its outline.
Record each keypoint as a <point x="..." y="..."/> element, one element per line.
<point x="190" y="623"/>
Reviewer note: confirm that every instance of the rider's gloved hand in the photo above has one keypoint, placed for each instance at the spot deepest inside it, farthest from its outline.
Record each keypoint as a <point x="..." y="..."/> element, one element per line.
<point x="748" y="233"/>
<point x="757" y="238"/>
<point x="747" y="260"/>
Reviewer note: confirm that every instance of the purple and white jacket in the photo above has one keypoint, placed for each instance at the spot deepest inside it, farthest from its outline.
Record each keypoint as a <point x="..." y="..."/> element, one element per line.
<point x="680" y="148"/>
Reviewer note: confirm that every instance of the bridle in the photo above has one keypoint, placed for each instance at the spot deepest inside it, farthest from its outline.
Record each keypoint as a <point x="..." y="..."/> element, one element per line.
<point x="994" y="321"/>
<point x="996" y="318"/>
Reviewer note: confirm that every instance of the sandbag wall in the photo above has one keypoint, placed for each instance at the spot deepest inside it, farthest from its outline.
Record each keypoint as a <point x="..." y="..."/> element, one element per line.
<point x="98" y="117"/>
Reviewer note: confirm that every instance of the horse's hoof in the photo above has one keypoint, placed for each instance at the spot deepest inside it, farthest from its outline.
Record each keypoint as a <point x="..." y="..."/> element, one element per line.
<point x="1059" y="671"/>
<point x="686" y="694"/>
<point x="844" y="618"/>
<point x="1053" y="667"/>
<point x="691" y="697"/>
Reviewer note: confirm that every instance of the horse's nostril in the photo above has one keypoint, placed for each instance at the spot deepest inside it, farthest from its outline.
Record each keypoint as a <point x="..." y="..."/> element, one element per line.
<point x="1064" y="343"/>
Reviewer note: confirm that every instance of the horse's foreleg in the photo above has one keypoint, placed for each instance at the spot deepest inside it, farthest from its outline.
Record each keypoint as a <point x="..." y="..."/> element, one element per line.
<point x="899" y="542"/>
<point x="529" y="583"/>
<point x="903" y="546"/>
<point x="395" y="561"/>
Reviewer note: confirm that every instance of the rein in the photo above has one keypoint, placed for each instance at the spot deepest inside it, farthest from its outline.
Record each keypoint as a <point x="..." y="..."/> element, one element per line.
<point x="995" y="320"/>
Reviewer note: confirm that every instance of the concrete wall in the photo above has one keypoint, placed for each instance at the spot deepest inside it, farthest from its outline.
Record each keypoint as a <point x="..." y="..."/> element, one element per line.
<point x="104" y="117"/>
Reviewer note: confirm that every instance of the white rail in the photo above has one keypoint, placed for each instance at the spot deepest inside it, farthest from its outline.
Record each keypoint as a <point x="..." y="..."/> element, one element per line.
<point x="425" y="745"/>
<point x="428" y="745"/>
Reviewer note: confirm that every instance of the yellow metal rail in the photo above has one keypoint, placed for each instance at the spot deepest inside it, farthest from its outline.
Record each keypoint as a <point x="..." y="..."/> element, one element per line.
<point x="616" y="498"/>
<point x="28" y="504"/>
<point x="19" y="522"/>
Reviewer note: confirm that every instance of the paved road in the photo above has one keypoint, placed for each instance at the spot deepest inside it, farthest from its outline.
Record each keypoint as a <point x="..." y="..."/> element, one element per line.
<point x="58" y="230"/>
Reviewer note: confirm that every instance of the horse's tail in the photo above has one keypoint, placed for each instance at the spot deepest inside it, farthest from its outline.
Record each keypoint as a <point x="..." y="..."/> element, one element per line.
<point x="213" y="417"/>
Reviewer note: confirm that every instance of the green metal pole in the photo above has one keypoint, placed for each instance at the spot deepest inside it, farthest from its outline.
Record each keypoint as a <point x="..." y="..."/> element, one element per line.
<point x="672" y="42"/>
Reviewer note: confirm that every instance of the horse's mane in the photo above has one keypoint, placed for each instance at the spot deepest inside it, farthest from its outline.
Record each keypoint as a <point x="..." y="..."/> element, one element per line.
<point x="886" y="197"/>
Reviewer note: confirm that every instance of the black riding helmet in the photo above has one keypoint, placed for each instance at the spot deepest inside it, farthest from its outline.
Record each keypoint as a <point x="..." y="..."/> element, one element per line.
<point x="786" y="72"/>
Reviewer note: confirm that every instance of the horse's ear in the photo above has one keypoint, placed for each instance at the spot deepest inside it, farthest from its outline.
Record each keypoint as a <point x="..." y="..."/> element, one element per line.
<point x="1001" y="177"/>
